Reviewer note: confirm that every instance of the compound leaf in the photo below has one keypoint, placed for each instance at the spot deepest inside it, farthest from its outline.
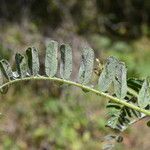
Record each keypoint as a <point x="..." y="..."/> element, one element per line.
<point x="86" y="67"/>
<point x="51" y="59"/>
<point x="66" y="61"/>
<point x="120" y="116"/>
<point x="33" y="61"/>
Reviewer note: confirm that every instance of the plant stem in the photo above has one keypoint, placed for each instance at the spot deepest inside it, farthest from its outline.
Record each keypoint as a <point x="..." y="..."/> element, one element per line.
<point x="115" y="99"/>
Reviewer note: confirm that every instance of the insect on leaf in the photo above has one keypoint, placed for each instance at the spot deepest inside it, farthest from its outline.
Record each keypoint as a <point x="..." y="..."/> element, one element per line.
<point x="21" y="65"/>
<point x="108" y="74"/>
<point x="86" y="67"/>
<point x="51" y="59"/>
<point x="6" y="69"/>
<point x="144" y="94"/>
<point x="66" y="61"/>
<point x="33" y="61"/>
<point x="120" y="80"/>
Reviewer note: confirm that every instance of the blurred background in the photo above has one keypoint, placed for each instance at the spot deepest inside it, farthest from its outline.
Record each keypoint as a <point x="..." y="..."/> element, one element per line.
<point x="47" y="116"/>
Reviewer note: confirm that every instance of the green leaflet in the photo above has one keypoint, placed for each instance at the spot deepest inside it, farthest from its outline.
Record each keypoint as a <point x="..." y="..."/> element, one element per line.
<point x="120" y="117"/>
<point x="135" y="84"/>
<point x="144" y="94"/>
<point x="66" y="61"/>
<point x="86" y="67"/>
<point x="51" y="59"/>
<point x="120" y="80"/>
<point x="114" y="113"/>
<point x="5" y="89"/>
<point x="6" y="69"/>
<point x="108" y="74"/>
<point x="33" y="61"/>
<point x="21" y="65"/>
<point x="116" y="72"/>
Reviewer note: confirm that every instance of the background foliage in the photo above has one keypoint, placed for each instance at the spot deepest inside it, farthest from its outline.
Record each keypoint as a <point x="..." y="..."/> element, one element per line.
<point x="53" y="116"/>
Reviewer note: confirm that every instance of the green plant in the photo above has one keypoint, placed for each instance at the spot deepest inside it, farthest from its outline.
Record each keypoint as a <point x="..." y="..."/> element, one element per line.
<point x="129" y="100"/>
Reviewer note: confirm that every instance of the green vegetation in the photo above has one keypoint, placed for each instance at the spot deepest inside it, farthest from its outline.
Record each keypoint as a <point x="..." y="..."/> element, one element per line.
<point x="125" y="107"/>
<point x="45" y="114"/>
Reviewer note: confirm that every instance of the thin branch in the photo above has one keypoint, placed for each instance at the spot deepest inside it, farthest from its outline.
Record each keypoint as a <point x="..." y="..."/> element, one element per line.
<point x="115" y="99"/>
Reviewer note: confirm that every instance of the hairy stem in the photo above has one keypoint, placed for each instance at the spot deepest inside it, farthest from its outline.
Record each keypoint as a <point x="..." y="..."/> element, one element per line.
<point x="115" y="99"/>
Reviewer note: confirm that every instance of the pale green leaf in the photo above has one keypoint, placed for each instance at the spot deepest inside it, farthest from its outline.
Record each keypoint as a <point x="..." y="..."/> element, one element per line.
<point x="66" y="61"/>
<point x="21" y="65"/>
<point x="6" y="69"/>
<point x="108" y="74"/>
<point x="4" y="89"/>
<point x="120" y="80"/>
<point x="51" y="59"/>
<point x="86" y="67"/>
<point x="33" y="61"/>
<point x="144" y="94"/>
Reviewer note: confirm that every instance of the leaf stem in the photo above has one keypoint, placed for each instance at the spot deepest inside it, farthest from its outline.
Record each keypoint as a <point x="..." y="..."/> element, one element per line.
<point x="115" y="99"/>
